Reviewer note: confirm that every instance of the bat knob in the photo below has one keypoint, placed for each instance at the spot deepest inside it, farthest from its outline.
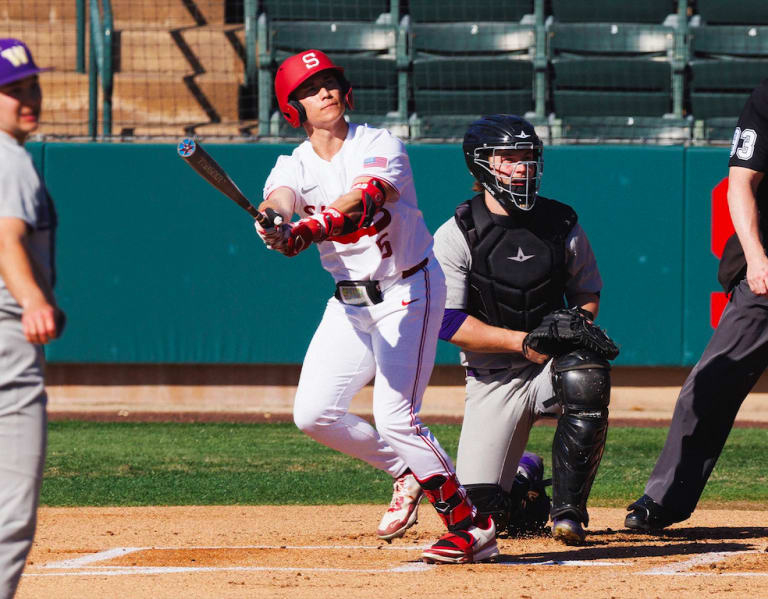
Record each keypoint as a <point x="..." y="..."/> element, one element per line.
<point x="186" y="147"/>
<point x="272" y="219"/>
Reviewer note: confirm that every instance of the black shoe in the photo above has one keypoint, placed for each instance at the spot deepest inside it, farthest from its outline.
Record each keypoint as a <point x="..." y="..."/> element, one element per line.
<point x="646" y="514"/>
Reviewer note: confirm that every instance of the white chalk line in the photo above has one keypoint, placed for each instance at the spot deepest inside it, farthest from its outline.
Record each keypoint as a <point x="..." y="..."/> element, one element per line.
<point x="682" y="568"/>
<point x="100" y="556"/>
<point x="569" y="562"/>
<point x="121" y="551"/>
<point x="82" y="565"/>
<point x="134" y="570"/>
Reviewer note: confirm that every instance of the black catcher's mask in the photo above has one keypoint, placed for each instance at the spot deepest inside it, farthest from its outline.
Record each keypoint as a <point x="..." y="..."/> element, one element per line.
<point x="499" y="133"/>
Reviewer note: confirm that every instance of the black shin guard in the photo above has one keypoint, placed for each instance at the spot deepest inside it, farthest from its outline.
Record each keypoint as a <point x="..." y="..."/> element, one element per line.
<point x="582" y="384"/>
<point x="491" y="500"/>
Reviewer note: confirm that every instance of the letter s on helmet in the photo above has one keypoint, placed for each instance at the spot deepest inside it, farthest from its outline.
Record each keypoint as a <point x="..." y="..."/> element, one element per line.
<point x="294" y="71"/>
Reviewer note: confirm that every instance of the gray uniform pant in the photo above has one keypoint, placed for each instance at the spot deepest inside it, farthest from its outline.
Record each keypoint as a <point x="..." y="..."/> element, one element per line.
<point x="734" y="359"/>
<point x="499" y="411"/>
<point x="22" y="448"/>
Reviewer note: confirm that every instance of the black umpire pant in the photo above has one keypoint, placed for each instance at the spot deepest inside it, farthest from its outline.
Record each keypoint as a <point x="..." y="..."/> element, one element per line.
<point x="734" y="359"/>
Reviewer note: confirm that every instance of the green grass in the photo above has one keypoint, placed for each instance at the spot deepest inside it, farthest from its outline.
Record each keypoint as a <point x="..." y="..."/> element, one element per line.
<point x="220" y="463"/>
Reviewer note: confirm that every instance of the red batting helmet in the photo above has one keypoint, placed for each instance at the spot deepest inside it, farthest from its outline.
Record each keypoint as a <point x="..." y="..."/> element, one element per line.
<point x="294" y="71"/>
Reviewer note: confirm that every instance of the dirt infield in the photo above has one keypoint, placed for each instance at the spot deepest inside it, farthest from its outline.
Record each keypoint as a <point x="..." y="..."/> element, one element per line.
<point x="331" y="552"/>
<point x="311" y="552"/>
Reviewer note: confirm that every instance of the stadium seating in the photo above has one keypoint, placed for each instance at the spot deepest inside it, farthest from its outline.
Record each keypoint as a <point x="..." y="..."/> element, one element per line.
<point x="729" y="54"/>
<point x="322" y="10"/>
<point x="598" y="70"/>
<point x="727" y="12"/>
<point x="643" y="11"/>
<point x="614" y="70"/>
<point x="454" y="11"/>
<point x="367" y="49"/>
<point x="617" y="79"/>
<point x="727" y="63"/>
<point x="469" y="61"/>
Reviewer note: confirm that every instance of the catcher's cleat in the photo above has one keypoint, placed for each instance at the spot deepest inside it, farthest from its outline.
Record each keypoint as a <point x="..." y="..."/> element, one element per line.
<point x="475" y="544"/>
<point x="645" y="514"/>
<point x="568" y="531"/>
<point x="403" y="509"/>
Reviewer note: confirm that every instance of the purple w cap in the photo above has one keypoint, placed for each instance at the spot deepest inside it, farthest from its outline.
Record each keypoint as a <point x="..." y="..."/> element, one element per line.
<point x="16" y="61"/>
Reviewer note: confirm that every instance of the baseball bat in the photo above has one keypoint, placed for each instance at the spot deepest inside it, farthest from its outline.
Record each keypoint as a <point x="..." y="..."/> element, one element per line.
<point x="195" y="156"/>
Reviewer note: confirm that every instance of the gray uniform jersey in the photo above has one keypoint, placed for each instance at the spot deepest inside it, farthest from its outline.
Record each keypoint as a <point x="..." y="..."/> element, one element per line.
<point x="22" y="392"/>
<point x="455" y="257"/>
<point x="23" y="196"/>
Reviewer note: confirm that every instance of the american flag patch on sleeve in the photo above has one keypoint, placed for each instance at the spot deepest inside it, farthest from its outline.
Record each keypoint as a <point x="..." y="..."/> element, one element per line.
<point x="375" y="162"/>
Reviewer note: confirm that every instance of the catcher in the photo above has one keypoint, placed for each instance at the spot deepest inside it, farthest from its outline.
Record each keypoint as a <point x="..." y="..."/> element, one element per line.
<point x="513" y="261"/>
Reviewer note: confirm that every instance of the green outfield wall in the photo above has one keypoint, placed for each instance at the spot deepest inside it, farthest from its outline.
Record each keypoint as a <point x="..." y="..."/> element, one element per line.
<point x="155" y="266"/>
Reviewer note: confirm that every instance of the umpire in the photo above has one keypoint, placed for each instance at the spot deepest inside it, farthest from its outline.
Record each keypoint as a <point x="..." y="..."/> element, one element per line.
<point x="29" y="316"/>
<point x="510" y="258"/>
<point x="737" y="353"/>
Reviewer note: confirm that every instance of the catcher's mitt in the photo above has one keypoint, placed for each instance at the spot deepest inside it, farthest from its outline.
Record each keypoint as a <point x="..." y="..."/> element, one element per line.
<point x="566" y="330"/>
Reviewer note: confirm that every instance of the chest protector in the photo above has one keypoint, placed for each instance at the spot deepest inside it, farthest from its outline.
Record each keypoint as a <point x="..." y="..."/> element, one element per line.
<point x="518" y="261"/>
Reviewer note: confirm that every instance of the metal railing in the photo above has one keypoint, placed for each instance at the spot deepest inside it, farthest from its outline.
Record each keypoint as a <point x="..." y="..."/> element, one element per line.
<point x="100" y="67"/>
<point x="250" y="10"/>
<point x="80" y="36"/>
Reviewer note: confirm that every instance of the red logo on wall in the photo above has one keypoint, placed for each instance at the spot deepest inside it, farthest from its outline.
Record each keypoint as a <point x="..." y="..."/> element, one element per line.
<point x="722" y="229"/>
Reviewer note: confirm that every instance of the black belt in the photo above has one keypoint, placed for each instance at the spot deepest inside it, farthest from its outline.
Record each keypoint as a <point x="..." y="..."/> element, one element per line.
<point x="368" y="293"/>
<point x="359" y="293"/>
<point x="414" y="269"/>
<point x="476" y="372"/>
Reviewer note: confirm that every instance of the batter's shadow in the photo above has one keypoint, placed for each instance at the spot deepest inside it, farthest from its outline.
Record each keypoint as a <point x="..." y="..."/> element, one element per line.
<point x="691" y="533"/>
<point x="618" y="552"/>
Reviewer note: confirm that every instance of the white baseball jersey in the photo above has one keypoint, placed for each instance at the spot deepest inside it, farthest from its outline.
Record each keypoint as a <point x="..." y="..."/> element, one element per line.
<point x="397" y="240"/>
<point x="394" y="341"/>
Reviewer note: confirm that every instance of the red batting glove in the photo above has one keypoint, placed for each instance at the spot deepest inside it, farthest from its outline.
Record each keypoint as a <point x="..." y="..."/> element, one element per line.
<point x="273" y="237"/>
<point x="292" y="238"/>
<point x="302" y="234"/>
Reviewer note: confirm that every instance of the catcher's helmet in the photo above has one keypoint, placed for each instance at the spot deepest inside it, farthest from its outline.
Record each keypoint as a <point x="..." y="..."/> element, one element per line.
<point x="294" y="71"/>
<point x="491" y="134"/>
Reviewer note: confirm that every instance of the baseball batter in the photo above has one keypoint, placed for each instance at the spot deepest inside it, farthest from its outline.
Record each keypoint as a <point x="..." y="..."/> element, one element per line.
<point x="28" y="313"/>
<point x="737" y="353"/>
<point x="352" y="187"/>
<point x="510" y="257"/>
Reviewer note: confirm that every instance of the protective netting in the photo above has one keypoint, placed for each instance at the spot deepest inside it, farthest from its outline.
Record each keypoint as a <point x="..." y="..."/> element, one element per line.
<point x="177" y="65"/>
<point x="664" y="71"/>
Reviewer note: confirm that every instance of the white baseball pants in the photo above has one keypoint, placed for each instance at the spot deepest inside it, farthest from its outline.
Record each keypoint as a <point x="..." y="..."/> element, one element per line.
<point x="395" y="342"/>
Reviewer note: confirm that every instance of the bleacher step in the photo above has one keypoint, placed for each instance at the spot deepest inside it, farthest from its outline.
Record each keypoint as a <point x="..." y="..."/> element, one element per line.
<point x="169" y="13"/>
<point x="211" y="47"/>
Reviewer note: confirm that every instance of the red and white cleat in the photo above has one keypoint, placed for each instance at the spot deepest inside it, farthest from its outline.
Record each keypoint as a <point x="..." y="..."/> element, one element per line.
<point x="403" y="509"/>
<point x="476" y="544"/>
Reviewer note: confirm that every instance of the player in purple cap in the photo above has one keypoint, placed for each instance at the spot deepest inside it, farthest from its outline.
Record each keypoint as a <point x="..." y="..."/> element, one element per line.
<point x="20" y="88"/>
<point x="29" y="316"/>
